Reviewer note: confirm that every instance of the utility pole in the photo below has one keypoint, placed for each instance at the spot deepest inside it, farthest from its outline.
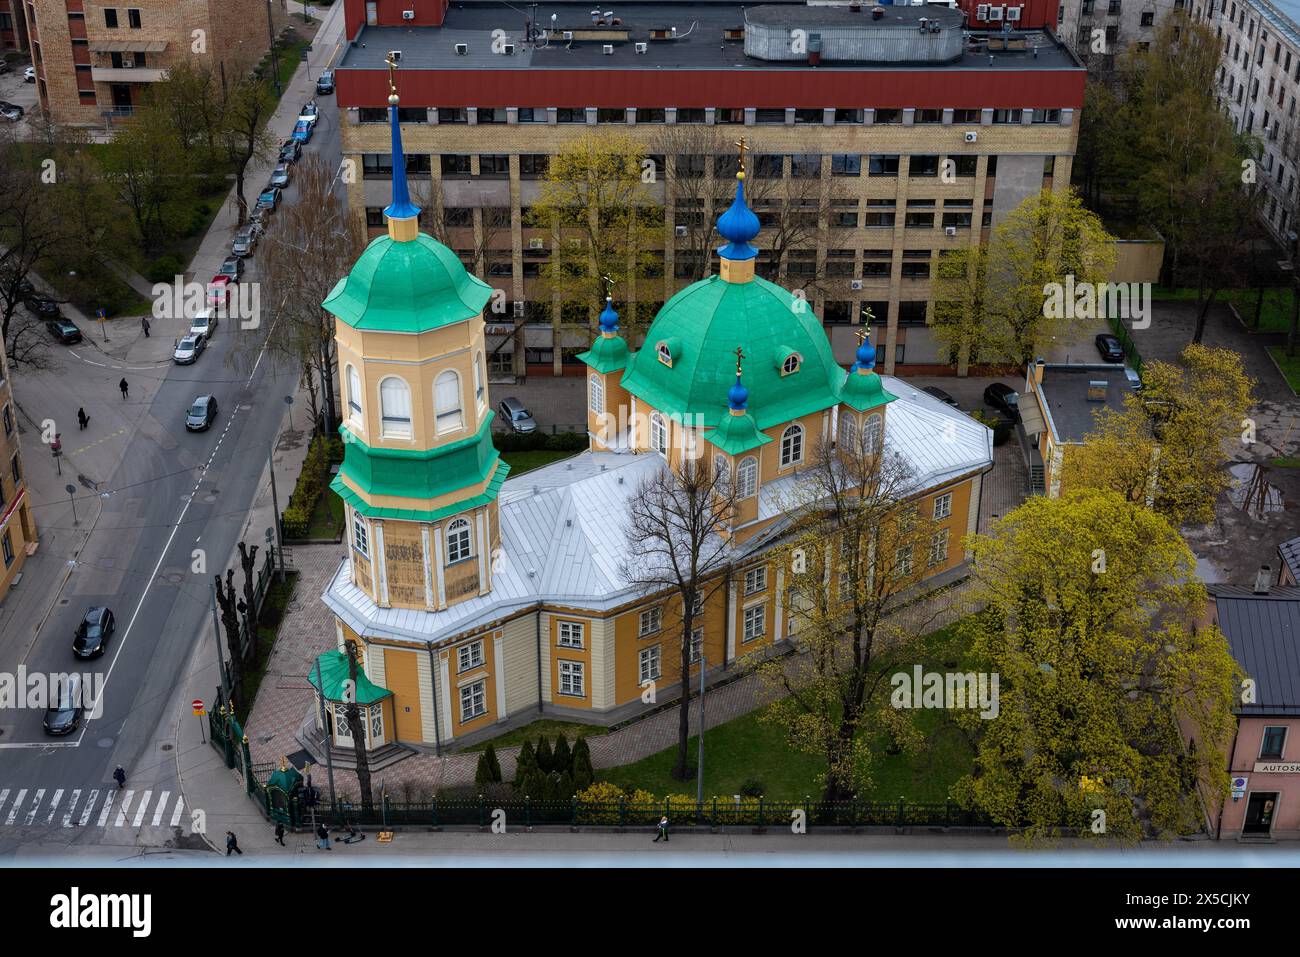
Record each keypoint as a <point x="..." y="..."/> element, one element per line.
<point x="275" y="504"/>
<point x="699" y="761"/>
<point x="325" y="729"/>
<point x="275" y="60"/>
<point x="221" y="658"/>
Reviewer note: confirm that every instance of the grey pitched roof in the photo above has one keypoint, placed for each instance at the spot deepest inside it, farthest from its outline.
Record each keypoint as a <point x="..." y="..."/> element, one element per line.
<point x="1290" y="552"/>
<point x="1263" y="632"/>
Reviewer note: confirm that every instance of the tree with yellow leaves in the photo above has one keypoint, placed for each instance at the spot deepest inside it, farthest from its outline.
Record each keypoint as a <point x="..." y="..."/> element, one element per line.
<point x="1090" y="611"/>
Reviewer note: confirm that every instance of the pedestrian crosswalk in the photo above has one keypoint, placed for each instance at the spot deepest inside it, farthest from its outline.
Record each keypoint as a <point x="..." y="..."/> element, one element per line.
<point x="90" y="807"/>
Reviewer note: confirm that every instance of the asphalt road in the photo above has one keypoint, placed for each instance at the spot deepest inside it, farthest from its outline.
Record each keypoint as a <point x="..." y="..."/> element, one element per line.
<point x="173" y="496"/>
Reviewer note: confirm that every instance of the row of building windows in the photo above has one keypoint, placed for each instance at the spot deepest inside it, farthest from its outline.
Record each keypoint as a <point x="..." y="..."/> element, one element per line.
<point x="458" y="538"/>
<point x="727" y="116"/>
<point x="395" y="401"/>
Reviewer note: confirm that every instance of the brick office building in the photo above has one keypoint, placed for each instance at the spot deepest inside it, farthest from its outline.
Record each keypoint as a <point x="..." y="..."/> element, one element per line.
<point x="17" y="527"/>
<point x="13" y="27"/>
<point x="94" y="60"/>
<point x="874" y="119"/>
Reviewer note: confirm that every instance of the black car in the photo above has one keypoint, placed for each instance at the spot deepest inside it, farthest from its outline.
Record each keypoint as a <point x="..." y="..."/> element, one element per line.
<point x="1109" y="347"/>
<point x="232" y="267"/>
<point x="11" y="111"/>
<point x="25" y="289"/>
<point x="63" y="330"/>
<point x="93" y="633"/>
<point x="290" y="151"/>
<point x="63" y="716"/>
<point x="1005" y="398"/>
<point x="325" y="83"/>
<point x="44" y="308"/>
<point x="202" y="413"/>
<point x="939" y="394"/>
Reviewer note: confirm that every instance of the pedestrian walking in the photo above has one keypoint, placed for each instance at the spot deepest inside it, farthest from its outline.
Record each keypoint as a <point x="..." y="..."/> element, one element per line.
<point x="144" y="324"/>
<point x="663" y="830"/>
<point x="279" y="833"/>
<point x="122" y="385"/>
<point x="322" y="837"/>
<point x="120" y="777"/>
<point x="232" y="844"/>
<point x="82" y="418"/>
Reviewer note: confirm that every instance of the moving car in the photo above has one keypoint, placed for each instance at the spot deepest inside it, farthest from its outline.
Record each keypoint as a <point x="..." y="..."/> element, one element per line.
<point x="280" y="177"/>
<point x="63" y="716"/>
<point x="189" y="349"/>
<point x="233" y="267"/>
<point x="1109" y="347"/>
<point x="63" y="330"/>
<point x="11" y="111"/>
<point x="204" y="324"/>
<point x="44" y="308"/>
<point x="290" y="151"/>
<point x="219" y="292"/>
<point x="302" y="131"/>
<point x="244" y="241"/>
<point x="93" y="633"/>
<point x="269" y="198"/>
<point x="325" y="83"/>
<point x="517" y="416"/>
<point x="29" y="75"/>
<point x="1004" y="398"/>
<point x="939" y="394"/>
<point x="201" y="414"/>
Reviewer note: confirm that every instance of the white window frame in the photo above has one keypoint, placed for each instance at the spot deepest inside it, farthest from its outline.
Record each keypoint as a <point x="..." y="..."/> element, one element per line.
<point x="572" y="679"/>
<point x="448" y="418"/>
<point x="938" y="547"/>
<point x="755" y="580"/>
<point x="747" y="477"/>
<point x="355" y="412"/>
<point x="791" y="363"/>
<point x="480" y="391"/>
<point x="721" y="469"/>
<point x="792" y="445"/>
<point x="697" y="644"/>
<point x="848" y="432"/>
<point x="461" y="547"/>
<point x="757" y="621"/>
<point x="650" y="621"/>
<point x="473" y="700"/>
<point x="360" y="533"/>
<point x="392" y="426"/>
<point x="469" y="656"/>
<point x="658" y="434"/>
<point x="570" y="634"/>
<point x="872" y="430"/>
<point x="649" y="663"/>
<point x="903" y="561"/>
<point x="596" y="394"/>
<point x="942" y="505"/>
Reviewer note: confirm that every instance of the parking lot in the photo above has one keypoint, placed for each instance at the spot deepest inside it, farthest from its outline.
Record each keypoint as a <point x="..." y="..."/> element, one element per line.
<point x="14" y="90"/>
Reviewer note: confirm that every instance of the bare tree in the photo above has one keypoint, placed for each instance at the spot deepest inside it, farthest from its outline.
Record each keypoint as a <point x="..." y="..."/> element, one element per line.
<point x="676" y="542"/>
<point x="227" y="599"/>
<point x="30" y="230"/>
<point x="247" y="105"/>
<point x="353" y="714"/>
<point x="248" y="562"/>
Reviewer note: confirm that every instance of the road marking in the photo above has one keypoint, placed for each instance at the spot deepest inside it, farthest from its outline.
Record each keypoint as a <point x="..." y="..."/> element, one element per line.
<point x="89" y="809"/>
<point x="54" y="805"/>
<point x="87" y="448"/>
<point x="103" y="814"/>
<point x="162" y="806"/>
<point x="4" y="796"/>
<point x="13" y="811"/>
<point x="72" y="804"/>
<point x="121" y="811"/>
<point x="144" y="806"/>
<point x="36" y="804"/>
<point x="176" y="815"/>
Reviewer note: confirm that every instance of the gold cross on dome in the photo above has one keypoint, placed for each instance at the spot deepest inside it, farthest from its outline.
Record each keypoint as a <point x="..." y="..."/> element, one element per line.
<point x="740" y="144"/>
<point x="864" y="333"/>
<point x="609" y="286"/>
<point x="391" y="60"/>
<point x="739" y="356"/>
<point x="867" y="316"/>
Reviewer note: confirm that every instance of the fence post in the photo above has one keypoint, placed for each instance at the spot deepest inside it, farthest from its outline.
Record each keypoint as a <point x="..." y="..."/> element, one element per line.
<point x="622" y="811"/>
<point x="899" y="824"/>
<point x="482" y="812"/>
<point x="947" y="814"/>
<point x="433" y="811"/>
<point x="528" y="813"/>
<point x="714" y="821"/>
<point x="573" y="817"/>
<point x="760" y="809"/>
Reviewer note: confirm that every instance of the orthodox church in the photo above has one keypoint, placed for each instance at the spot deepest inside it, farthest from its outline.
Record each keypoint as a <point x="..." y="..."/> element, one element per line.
<point x="475" y="598"/>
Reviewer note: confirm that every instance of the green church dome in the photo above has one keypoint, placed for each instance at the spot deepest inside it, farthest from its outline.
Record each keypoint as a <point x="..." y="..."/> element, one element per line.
<point x="410" y="286"/>
<point x="702" y="325"/>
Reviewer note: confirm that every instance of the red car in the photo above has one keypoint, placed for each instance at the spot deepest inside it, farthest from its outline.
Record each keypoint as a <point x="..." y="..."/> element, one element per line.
<point x="219" y="291"/>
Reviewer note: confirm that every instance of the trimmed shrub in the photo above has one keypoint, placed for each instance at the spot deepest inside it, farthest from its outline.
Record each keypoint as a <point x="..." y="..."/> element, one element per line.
<point x="567" y="442"/>
<point x="752" y="787"/>
<point x="545" y="762"/>
<point x="526" y="760"/>
<point x="313" y="481"/>
<point x="511" y="442"/>
<point x="562" y="757"/>
<point x="493" y="764"/>
<point x="164" y="269"/>
<point x="583" y="773"/>
<point x="483" y="773"/>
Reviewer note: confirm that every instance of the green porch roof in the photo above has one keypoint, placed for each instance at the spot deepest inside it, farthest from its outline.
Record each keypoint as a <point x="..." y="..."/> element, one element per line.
<point x="736" y="434"/>
<point x="864" y="390"/>
<point x="420" y="473"/>
<point x="421" y="515"/>
<point x="606" y="355"/>
<point x="334" y="672"/>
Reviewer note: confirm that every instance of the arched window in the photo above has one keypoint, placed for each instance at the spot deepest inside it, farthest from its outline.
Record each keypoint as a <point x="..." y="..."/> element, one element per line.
<point x="747" y="477"/>
<point x="596" y="394"/>
<point x="665" y="355"/>
<point x="354" y="395"/>
<point x="658" y="434"/>
<point x="791" y="364"/>
<point x="848" y="432"/>
<point x="446" y="401"/>
<point x="871" y="434"/>
<point x="480" y="396"/>
<point x="458" y="541"/>
<point x="395" y="408"/>
<point x="792" y="445"/>
<point x="721" y="468"/>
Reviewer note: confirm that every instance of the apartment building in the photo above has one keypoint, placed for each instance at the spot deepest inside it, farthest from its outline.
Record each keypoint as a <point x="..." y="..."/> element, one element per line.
<point x="94" y="61"/>
<point x="17" y="527"/>
<point x="13" y="27"/>
<point x="921" y="130"/>
<point x="1098" y="30"/>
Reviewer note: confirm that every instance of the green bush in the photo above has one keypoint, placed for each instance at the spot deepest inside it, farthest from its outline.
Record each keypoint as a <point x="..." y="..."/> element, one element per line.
<point x="164" y="269"/>
<point x="537" y="442"/>
<point x="313" y="481"/>
<point x="583" y="774"/>
<point x="752" y="787"/>
<point x="562" y="757"/>
<point x="567" y="442"/>
<point x="545" y="761"/>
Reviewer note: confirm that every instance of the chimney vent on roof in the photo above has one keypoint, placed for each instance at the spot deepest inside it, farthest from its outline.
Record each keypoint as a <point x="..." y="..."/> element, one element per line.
<point x="877" y="13"/>
<point x="1263" y="580"/>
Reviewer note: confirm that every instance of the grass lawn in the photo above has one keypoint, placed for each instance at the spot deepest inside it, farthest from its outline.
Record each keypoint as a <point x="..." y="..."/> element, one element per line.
<point x="326" y="517"/>
<point x="1290" y="366"/>
<point x="750" y="748"/>
<point x="1274" y="314"/>
<point x="531" y="732"/>
<point x="521" y="462"/>
<point x="1285" y="462"/>
<point x="278" y="596"/>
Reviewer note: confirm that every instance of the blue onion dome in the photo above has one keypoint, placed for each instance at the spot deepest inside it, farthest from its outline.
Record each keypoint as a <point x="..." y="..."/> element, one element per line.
<point x="737" y="395"/>
<point x="738" y="225"/>
<point x="866" y="356"/>
<point x="609" y="318"/>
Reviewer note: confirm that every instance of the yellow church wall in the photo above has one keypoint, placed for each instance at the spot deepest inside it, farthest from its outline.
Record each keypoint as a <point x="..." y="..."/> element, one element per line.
<point x="460" y="678"/>
<point x="402" y="678"/>
<point x="629" y="642"/>
<point x="559" y="653"/>
<point x="404" y="564"/>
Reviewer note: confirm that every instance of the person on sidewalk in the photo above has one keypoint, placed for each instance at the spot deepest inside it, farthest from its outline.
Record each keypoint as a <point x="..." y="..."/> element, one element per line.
<point x="120" y="777"/>
<point x="663" y="830"/>
<point x="122" y="385"/>
<point x="322" y="837"/>
<point x="279" y="833"/>
<point x="144" y="324"/>
<point x="82" y="418"/>
<point x="232" y="844"/>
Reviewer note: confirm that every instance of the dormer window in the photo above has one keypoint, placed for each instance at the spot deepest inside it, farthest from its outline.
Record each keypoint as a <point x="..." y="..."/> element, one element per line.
<point x="790" y="364"/>
<point x="669" y="350"/>
<point x="665" y="356"/>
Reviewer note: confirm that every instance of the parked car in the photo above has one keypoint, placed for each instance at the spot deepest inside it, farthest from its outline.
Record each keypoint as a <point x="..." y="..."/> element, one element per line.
<point x="204" y="324"/>
<point x="25" y="289"/>
<point x="290" y="151"/>
<point x="11" y="112"/>
<point x="202" y="413"/>
<point x="43" y="308"/>
<point x="517" y="416"/>
<point x="63" y="330"/>
<point x="4" y="66"/>
<point x="63" y="716"/>
<point x="189" y="349"/>
<point x="219" y="292"/>
<point x="29" y="75"/>
<point x="1109" y="347"/>
<point x="939" y="394"/>
<point x="325" y="83"/>
<point x="257" y="218"/>
<point x="1004" y="398"/>
<point x="280" y="176"/>
<point x="94" y="633"/>
<point x="269" y="198"/>
<point x="302" y="131"/>
<point x="244" y="241"/>
<point x="233" y="267"/>
<point x="309" y="113"/>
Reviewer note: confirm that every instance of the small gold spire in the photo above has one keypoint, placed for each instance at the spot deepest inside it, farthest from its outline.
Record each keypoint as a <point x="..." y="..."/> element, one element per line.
<point x="391" y="60"/>
<point x="740" y="355"/>
<point x="740" y="144"/>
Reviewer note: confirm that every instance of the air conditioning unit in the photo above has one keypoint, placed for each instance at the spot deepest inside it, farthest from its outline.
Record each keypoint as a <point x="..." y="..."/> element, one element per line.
<point x="982" y="12"/>
<point x="607" y="49"/>
<point x="972" y="136"/>
<point x="950" y="230"/>
<point x="507" y="49"/>
<point x="642" y="47"/>
<point x="128" y="64"/>
<point x="679" y="231"/>
<point x="1013" y="13"/>
<point x="519" y="308"/>
<point x="568" y="34"/>
<point x="408" y="14"/>
<point x="995" y="13"/>
<point x="536" y="244"/>
<point x="855" y="283"/>
<point x="462" y="49"/>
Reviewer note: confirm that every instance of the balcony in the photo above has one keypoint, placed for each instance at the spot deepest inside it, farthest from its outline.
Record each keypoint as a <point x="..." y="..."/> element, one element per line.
<point x="124" y="75"/>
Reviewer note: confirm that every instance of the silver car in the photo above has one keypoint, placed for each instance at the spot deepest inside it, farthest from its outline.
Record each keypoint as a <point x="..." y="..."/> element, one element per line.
<point x="189" y="349"/>
<point x="516" y="416"/>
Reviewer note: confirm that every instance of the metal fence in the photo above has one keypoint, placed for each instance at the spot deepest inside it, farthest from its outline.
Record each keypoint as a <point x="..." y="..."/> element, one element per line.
<point x="1126" y="343"/>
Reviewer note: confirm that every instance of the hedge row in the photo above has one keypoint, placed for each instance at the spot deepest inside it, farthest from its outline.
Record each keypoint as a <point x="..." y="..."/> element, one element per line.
<point x="313" y="480"/>
<point x="538" y="442"/>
